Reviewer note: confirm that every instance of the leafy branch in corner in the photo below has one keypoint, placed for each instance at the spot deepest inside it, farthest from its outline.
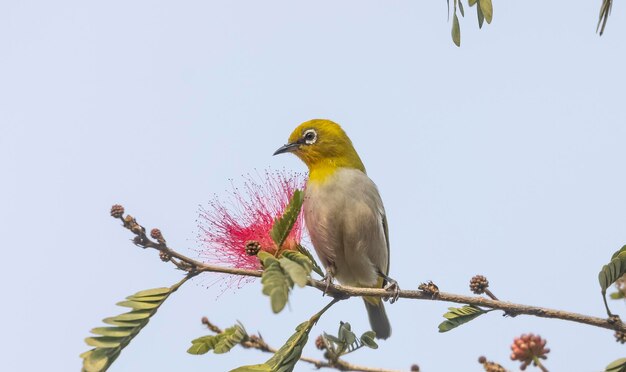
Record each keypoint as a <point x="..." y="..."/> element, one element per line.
<point x="484" y="13"/>
<point x="605" y="11"/>
<point x="110" y="341"/>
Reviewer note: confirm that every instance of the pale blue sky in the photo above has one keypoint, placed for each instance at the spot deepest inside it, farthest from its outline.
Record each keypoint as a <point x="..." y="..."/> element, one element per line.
<point x="504" y="157"/>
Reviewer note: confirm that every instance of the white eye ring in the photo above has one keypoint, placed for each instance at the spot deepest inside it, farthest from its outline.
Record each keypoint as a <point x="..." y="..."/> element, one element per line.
<point x="309" y="136"/>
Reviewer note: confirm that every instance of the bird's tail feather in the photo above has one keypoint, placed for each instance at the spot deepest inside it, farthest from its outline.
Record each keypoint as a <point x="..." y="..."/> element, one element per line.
<point x="378" y="317"/>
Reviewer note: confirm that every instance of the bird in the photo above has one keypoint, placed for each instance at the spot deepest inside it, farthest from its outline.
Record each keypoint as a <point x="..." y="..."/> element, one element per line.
<point x="344" y="214"/>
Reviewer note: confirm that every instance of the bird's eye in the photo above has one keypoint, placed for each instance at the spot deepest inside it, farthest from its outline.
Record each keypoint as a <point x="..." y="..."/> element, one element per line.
<point x="310" y="136"/>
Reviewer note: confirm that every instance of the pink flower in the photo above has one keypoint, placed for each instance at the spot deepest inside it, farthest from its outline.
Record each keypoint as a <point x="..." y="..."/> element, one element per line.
<point x="248" y="214"/>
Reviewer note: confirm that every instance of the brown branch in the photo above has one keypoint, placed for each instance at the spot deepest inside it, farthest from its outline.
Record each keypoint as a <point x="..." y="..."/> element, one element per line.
<point x="257" y="342"/>
<point x="191" y="265"/>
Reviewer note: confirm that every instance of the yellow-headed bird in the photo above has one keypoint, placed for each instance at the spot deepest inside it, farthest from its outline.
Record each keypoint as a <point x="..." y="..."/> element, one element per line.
<point x="344" y="213"/>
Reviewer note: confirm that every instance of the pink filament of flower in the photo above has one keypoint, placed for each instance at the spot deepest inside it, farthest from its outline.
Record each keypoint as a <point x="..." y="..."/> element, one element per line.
<point x="224" y="230"/>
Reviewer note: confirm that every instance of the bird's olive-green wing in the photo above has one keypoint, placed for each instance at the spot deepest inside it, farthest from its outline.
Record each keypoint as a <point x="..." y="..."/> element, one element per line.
<point x="386" y="230"/>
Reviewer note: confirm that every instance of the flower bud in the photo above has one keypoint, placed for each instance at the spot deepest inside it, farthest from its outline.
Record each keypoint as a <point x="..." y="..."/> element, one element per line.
<point x="478" y="284"/>
<point x="117" y="211"/>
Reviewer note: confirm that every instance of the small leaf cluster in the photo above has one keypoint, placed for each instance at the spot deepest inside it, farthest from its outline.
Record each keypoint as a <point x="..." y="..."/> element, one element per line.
<point x="346" y="341"/>
<point x="484" y="11"/>
<point x="220" y="343"/>
<point x="608" y="275"/>
<point x="457" y="316"/>
<point x="280" y="275"/>
<point x="612" y="271"/>
<point x="286" y="267"/>
<point x="111" y="340"/>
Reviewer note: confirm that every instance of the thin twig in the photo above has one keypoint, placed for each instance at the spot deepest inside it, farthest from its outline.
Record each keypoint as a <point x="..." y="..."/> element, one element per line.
<point x="257" y="342"/>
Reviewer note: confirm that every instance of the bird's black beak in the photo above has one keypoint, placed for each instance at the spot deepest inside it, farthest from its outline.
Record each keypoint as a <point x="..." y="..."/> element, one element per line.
<point x="290" y="147"/>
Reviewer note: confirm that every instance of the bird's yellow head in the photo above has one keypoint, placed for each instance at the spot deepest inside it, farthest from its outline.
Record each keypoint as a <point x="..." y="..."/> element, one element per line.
<point x="324" y="147"/>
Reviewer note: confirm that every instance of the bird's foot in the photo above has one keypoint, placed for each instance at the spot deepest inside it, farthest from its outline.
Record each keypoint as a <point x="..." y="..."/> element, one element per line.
<point x="392" y="287"/>
<point x="328" y="279"/>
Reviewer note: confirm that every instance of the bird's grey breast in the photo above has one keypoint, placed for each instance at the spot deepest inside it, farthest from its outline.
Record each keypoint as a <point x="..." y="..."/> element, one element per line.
<point x="344" y="215"/>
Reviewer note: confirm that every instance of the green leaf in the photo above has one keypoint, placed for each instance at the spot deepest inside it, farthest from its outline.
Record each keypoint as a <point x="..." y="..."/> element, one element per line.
<point x="367" y="339"/>
<point x="333" y="339"/>
<point x="138" y="305"/>
<point x="605" y="11"/>
<point x="199" y="348"/>
<point x="283" y="225"/>
<point x="220" y="343"/>
<point x="623" y="249"/>
<point x="103" y="342"/>
<point x="113" y="331"/>
<point x="96" y="360"/>
<point x="266" y="258"/>
<point x="347" y="342"/>
<point x="472" y="2"/>
<point x="285" y="359"/>
<point x="487" y="9"/>
<point x="300" y="259"/>
<point x="617" y="366"/>
<point x="461" y="8"/>
<point x="276" y="284"/>
<point x="481" y="17"/>
<point x="296" y="272"/>
<point x="613" y="270"/>
<point x="229" y="338"/>
<point x="146" y="298"/>
<point x="153" y="292"/>
<point x="112" y="340"/>
<point x="457" y="316"/>
<point x="255" y="368"/>
<point x="115" y="322"/>
<point x="133" y="315"/>
<point x="297" y="266"/>
<point x="616" y="295"/>
<point x="456" y="31"/>
<point x="316" y="267"/>
<point x="345" y="333"/>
